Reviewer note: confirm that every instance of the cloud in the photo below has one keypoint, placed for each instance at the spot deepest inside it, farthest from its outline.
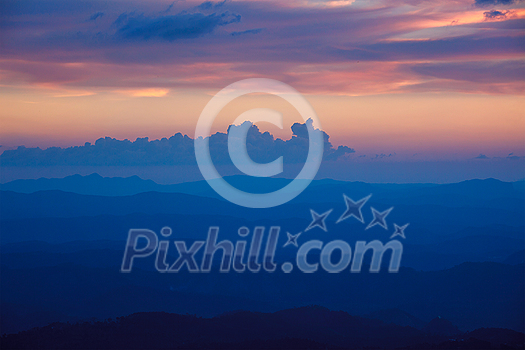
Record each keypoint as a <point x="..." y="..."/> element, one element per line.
<point x="169" y="7"/>
<point x="463" y="46"/>
<point x="495" y="15"/>
<point x="151" y="92"/>
<point x="249" y="31"/>
<point x="341" y="151"/>
<point x="210" y="5"/>
<point x="511" y="156"/>
<point x="481" y="156"/>
<point x="95" y="16"/>
<point x="176" y="150"/>
<point x="48" y="7"/>
<point x="494" y="2"/>
<point x="314" y="48"/>
<point x="497" y="71"/>
<point x="382" y="155"/>
<point x="183" y="25"/>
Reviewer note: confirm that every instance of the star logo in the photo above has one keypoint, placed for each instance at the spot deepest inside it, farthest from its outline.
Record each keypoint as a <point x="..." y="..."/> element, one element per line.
<point x="400" y="231"/>
<point x="379" y="218"/>
<point x="292" y="239"/>
<point x="318" y="220"/>
<point x="353" y="209"/>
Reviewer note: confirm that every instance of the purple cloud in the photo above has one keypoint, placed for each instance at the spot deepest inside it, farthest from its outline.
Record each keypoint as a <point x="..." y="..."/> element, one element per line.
<point x="249" y="31"/>
<point x="495" y="15"/>
<point x="176" y="150"/>
<point x="326" y="42"/>
<point x="494" y="2"/>
<point x="478" y="72"/>
<point x="481" y="156"/>
<point x="95" y="16"/>
<point x="180" y="26"/>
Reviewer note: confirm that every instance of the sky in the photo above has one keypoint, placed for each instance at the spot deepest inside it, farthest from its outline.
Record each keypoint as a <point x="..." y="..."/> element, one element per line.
<point x="427" y="80"/>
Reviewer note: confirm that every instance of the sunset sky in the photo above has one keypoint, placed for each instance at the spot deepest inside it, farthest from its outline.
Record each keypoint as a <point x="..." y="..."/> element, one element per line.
<point x="440" y="79"/>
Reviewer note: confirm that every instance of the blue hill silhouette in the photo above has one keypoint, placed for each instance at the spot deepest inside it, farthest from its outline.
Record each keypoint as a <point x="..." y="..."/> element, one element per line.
<point x="309" y="327"/>
<point x="62" y="242"/>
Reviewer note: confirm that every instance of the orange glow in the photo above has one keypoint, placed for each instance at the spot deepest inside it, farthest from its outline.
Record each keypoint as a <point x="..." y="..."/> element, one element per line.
<point x="404" y="123"/>
<point x="145" y="92"/>
<point x="383" y="76"/>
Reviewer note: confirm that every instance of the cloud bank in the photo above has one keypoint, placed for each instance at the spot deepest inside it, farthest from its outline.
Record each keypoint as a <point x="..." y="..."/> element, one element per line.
<point x="183" y="25"/>
<point x="351" y="49"/>
<point x="176" y="150"/>
<point x="494" y="2"/>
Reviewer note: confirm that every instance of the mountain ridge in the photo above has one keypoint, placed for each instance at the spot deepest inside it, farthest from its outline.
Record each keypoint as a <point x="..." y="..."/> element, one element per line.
<point x="303" y="328"/>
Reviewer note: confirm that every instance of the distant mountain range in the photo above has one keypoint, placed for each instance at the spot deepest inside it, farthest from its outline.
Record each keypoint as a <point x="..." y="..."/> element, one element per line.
<point x="62" y="242"/>
<point x="436" y="213"/>
<point x="95" y="184"/>
<point x="309" y="327"/>
<point x="87" y="283"/>
<point x="478" y="220"/>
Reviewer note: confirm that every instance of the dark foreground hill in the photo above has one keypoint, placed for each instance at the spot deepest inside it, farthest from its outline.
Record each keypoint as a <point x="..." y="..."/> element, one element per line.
<point x="471" y="295"/>
<point x="300" y="328"/>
